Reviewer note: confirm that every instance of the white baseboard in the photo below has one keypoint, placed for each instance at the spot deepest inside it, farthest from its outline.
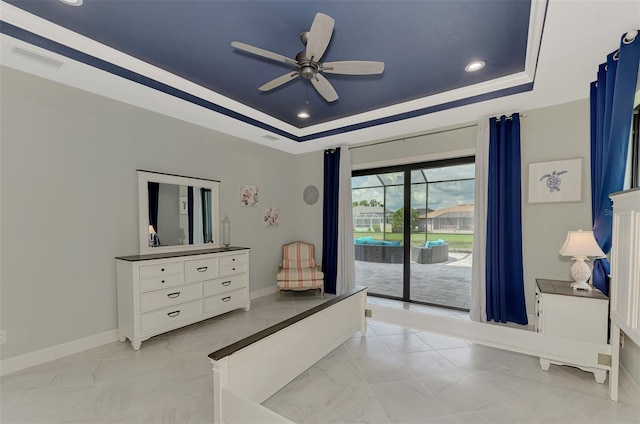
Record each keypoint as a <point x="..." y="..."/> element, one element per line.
<point x="17" y="363"/>
<point x="31" y="359"/>
<point x="629" y="385"/>
<point x="254" y="294"/>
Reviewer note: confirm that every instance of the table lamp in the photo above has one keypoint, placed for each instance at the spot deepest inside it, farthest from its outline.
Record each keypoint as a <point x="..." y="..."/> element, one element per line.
<point x="581" y="244"/>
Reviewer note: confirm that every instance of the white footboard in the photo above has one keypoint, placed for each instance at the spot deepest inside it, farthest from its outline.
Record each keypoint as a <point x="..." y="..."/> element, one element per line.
<point x="256" y="367"/>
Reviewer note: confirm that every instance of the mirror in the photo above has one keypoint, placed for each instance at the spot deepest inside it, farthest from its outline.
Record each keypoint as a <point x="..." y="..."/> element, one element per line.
<point x="177" y="212"/>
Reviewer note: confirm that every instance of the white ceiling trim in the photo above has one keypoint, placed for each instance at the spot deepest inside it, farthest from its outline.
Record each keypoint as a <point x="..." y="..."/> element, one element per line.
<point x="79" y="75"/>
<point x="49" y="30"/>
<point x="54" y="32"/>
<point x="577" y="37"/>
<point x="425" y="102"/>
<point x="534" y="39"/>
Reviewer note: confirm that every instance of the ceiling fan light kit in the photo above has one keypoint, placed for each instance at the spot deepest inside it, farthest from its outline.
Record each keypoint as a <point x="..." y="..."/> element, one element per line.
<point x="308" y="62"/>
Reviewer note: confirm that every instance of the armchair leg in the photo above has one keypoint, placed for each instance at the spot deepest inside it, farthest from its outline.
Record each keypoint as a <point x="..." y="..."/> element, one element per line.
<point x="278" y="294"/>
<point x="322" y="292"/>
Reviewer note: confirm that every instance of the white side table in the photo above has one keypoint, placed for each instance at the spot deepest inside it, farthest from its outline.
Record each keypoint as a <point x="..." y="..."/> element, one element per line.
<point x="576" y="314"/>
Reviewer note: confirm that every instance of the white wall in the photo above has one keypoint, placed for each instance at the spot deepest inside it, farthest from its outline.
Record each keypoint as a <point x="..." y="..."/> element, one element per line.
<point x="69" y="202"/>
<point x="309" y="171"/>
<point x="553" y="133"/>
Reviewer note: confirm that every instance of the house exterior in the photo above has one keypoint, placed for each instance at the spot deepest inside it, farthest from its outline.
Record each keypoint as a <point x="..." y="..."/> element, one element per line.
<point x="457" y="218"/>
<point x="370" y="218"/>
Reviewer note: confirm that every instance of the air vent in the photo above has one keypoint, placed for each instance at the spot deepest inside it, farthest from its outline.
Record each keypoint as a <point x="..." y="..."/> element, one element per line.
<point x="270" y="137"/>
<point x="53" y="63"/>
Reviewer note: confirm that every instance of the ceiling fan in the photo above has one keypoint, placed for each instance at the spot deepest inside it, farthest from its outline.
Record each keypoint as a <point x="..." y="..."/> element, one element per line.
<point x="308" y="62"/>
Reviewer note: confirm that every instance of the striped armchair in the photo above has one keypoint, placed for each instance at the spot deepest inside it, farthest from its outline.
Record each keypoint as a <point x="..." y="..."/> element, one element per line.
<point x="298" y="270"/>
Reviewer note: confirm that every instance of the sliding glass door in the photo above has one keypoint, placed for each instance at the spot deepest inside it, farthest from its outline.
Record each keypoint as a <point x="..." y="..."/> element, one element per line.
<point x="414" y="231"/>
<point x="378" y="241"/>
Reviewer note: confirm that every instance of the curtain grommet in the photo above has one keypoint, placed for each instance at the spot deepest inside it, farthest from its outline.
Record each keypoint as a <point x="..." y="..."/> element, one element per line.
<point x="616" y="55"/>
<point x="630" y="36"/>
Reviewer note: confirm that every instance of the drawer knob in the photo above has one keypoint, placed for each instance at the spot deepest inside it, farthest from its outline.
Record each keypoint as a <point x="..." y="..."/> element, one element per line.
<point x="202" y="269"/>
<point x="174" y="314"/>
<point x="162" y="270"/>
<point x="234" y="259"/>
<point x="226" y="283"/>
<point x="233" y="269"/>
<point x="173" y="295"/>
<point x="162" y="281"/>
<point x="226" y="299"/>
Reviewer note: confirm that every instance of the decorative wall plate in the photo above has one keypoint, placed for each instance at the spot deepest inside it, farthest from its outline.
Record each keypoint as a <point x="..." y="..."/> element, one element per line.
<point x="311" y="195"/>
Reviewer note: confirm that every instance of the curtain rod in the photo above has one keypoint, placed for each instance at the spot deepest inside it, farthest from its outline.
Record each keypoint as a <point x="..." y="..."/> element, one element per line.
<point x="413" y="136"/>
<point x="522" y="115"/>
<point x="509" y="117"/>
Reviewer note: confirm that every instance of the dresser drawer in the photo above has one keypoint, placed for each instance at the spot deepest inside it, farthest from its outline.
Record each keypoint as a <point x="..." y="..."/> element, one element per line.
<point x="160" y="270"/>
<point x="224" y="299"/>
<point x="160" y="282"/>
<point x="222" y="285"/>
<point x="171" y="296"/>
<point x="167" y="316"/>
<point x="233" y="269"/>
<point x="201" y="269"/>
<point x="233" y="260"/>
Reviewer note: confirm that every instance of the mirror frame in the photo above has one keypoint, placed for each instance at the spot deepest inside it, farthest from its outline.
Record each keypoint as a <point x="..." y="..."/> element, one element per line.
<point x="144" y="177"/>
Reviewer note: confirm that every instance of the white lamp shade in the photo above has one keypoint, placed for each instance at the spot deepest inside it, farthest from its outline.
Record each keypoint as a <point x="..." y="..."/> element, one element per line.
<point x="581" y="243"/>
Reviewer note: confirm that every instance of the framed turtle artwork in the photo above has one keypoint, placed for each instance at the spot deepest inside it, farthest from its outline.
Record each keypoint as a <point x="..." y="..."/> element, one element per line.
<point x="557" y="181"/>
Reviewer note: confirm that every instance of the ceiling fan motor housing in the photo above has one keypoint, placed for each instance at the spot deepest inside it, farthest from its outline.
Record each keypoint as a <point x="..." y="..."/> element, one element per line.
<point x="308" y="68"/>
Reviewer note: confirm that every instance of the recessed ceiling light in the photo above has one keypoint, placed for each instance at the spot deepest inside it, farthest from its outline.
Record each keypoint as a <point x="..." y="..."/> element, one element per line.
<point x="72" y="2"/>
<point x="303" y="115"/>
<point x="474" y="66"/>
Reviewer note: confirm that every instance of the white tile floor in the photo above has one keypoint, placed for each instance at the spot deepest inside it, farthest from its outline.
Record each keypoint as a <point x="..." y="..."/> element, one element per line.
<point x="393" y="375"/>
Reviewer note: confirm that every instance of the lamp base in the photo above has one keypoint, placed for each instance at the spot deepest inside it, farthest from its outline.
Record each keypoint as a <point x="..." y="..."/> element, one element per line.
<point x="581" y="285"/>
<point x="580" y="272"/>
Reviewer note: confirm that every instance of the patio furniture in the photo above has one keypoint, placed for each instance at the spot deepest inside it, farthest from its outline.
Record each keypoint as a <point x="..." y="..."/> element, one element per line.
<point x="392" y="254"/>
<point x="430" y="255"/>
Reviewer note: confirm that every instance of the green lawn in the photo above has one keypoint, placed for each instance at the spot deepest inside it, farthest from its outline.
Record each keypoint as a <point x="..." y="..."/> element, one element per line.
<point x="455" y="240"/>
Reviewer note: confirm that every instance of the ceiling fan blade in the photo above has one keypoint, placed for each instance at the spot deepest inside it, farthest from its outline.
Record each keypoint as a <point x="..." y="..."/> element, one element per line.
<point x="319" y="36"/>
<point x="325" y="89"/>
<point x="353" y="67"/>
<point x="279" y="81"/>
<point x="261" y="52"/>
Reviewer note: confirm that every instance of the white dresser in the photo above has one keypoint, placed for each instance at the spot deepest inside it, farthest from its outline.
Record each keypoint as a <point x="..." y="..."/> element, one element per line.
<point x="164" y="291"/>
<point x="575" y="314"/>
